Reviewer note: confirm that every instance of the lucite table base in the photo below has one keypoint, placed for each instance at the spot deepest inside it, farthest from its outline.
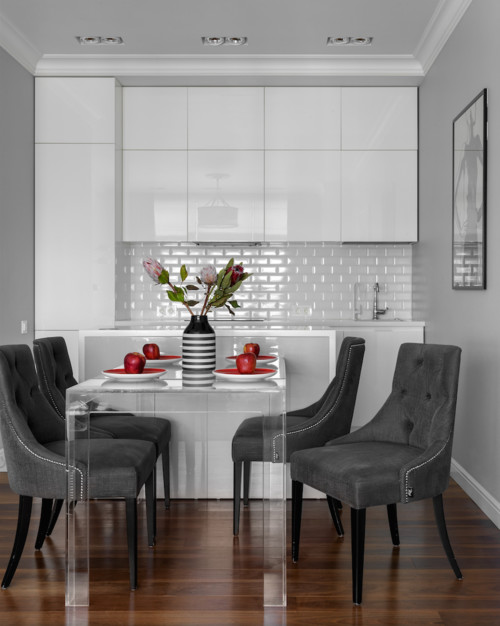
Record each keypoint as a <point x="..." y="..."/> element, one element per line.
<point x="201" y="419"/>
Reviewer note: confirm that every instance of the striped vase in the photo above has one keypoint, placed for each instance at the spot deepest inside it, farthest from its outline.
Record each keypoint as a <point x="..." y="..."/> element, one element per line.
<point x="198" y="345"/>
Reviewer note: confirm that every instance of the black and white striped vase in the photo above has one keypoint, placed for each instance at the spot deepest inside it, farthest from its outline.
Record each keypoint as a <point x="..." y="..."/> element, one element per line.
<point x="198" y="345"/>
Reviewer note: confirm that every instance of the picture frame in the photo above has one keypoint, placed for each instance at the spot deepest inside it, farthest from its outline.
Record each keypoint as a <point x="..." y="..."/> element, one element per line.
<point x="469" y="194"/>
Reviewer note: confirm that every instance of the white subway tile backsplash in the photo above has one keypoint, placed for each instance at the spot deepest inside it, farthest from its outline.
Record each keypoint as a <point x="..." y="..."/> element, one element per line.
<point x="297" y="281"/>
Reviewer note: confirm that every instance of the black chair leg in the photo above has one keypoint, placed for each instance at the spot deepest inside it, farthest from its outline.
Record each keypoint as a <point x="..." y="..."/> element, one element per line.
<point x="358" y="523"/>
<point x="338" y="504"/>
<point x="151" y="509"/>
<point x="131" y="508"/>
<point x="23" y="523"/>
<point x="165" y="459"/>
<point x="236" y="496"/>
<point x="45" y="517"/>
<point x="437" y="501"/>
<point x="58" y="504"/>
<point x="297" y="490"/>
<point x="246" y="482"/>
<point x="332" y="505"/>
<point x="392" y="515"/>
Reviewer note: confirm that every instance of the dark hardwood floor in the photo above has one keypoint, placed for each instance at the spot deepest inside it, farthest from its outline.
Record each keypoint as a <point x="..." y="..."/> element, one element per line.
<point x="197" y="574"/>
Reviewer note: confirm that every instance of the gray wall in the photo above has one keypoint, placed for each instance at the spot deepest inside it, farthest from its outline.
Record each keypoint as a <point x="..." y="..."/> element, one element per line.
<point x="16" y="200"/>
<point x="467" y="64"/>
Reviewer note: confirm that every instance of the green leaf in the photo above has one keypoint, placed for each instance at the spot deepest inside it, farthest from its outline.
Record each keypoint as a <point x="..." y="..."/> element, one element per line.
<point x="234" y="304"/>
<point x="173" y="296"/>
<point x="220" y="302"/>
<point x="245" y="275"/>
<point x="226" y="281"/>
<point x="192" y="287"/>
<point x="230" y="310"/>
<point x="163" y="278"/>
<point x="236" y="286"/>
<point x="198" y="280"/>
<point x="230" y="263"/>
<point x="184" y="273"/>
<point x="220" y="276"/>
<point x="192" y="302"/>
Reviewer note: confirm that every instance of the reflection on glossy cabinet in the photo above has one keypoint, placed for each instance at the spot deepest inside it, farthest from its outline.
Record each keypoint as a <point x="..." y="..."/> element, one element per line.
<point x="226" y="118"/>
<point x="302" y="118"/>
<point x="155" y="118"/>
<point x="74" y="110"/>
<point x="379" y="118"/>
<point x="74" y="232"/>
<point x="226" y="195"/>
<point x="302" y="195"/>
<point x="379" y="196"/>
<point x="154" y="195"/>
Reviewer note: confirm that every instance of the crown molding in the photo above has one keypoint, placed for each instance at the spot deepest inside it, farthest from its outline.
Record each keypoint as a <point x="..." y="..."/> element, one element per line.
<point x="16" y="44"/>
<point x="447" y="15"/>
<point x="228" y="65"/>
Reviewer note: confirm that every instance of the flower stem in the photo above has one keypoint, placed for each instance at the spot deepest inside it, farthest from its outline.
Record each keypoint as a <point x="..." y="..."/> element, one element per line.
<point x="204" y="309"/>
<point x="184" y="303"/>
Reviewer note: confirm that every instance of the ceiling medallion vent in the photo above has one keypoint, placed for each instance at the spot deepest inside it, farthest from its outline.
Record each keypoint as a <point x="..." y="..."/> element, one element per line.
<point x="349" y="41"/>
<point x="224" y="41"/>
<point x="99" y="40"/>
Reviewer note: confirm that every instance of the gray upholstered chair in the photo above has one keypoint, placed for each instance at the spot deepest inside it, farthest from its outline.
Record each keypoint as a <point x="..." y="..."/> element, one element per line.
<point x="34" y="444"/>
<point x="55" y="376"/>
<point x="402" y="455"/>
<point x="327" y="418"/>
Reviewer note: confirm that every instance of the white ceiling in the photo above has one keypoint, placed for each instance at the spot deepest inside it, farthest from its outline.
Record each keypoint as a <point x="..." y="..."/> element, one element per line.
<point x="286" y="38"/>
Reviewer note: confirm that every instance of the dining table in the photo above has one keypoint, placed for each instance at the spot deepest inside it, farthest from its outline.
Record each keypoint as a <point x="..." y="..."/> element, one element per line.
<point x="204" y="409"/>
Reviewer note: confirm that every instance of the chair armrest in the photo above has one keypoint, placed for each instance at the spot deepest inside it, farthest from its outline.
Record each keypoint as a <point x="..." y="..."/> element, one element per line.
<point x="427" y="475"/>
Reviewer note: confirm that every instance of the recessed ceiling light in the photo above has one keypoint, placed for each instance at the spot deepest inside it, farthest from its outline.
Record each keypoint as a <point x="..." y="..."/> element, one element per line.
<point x="99" y="40"/>
<point x="224" y="41"/>
<point x="349" y="41"/>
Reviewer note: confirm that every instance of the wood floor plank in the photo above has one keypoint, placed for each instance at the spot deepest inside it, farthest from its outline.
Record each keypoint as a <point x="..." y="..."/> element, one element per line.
<point x="199" y="574"/>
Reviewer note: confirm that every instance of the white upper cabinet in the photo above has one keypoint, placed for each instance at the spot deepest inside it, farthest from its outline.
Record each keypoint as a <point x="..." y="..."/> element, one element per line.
<point x="155" y="195"/>
<point x="75" y="110"/>
<point x="226" y="118"/>
<point x="302" y="195"/>
<point x="226" y="195"/>
<point x="379" y="118"/>
<point x="379" y="195"/>
<point x="302" y="118"/>
<point x="155" y="118"/>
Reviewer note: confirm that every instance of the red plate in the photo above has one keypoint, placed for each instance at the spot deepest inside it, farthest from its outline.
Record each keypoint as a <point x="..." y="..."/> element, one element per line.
<point x="263" y="358"/>
<point x="122" y="372"/>
<point x="233" y="374"/>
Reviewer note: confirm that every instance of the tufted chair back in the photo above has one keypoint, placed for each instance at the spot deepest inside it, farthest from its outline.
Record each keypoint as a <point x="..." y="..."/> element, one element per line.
<point x="421" y="406"/>
<point x="54" y="370"/>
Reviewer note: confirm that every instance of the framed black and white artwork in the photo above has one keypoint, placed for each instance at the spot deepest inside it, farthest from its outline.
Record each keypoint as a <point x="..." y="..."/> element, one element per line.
<point x="469" y="195"/>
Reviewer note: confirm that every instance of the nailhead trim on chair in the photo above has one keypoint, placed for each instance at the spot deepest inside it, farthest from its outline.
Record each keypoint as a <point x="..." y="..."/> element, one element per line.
<point x="47" y="387"/>
<point x="407" y="495"/>
<point x="296" y="432"/>
<point x="42" y="458"/>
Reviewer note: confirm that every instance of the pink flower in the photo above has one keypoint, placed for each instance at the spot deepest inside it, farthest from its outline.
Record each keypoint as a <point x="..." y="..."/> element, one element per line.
<point x="153" y="268"/>
<point x="208" y="275"/>
<point x="236" y="273"/>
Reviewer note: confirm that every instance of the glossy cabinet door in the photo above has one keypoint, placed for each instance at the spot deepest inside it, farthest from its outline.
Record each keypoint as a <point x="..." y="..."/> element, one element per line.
<point x="302" y="118"/>
<point x="74" y="235"/>
<point x="377" y="373"/>
<point x="379" y="196"/>
<point x="155" y="118"/>
<point x="155" y="195"/>
<point x="226" y="195"/>
<point x="74" y="110"/>
<point x="379" y="118"/>
<point x="226" y="118"/>
<point x="302" y="195"/>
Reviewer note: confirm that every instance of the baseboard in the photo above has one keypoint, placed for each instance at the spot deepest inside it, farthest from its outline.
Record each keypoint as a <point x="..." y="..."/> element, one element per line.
<point x="484" y="500"/>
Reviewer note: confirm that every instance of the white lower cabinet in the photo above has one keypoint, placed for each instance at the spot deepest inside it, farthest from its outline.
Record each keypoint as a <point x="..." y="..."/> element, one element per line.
<point x="302" y="200"/>
<point x="379" y="196"/>
<point x="381" y="351"/>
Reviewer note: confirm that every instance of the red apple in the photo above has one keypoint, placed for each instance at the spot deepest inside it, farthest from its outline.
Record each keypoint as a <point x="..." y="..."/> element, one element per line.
<point x="134" y="363"/>
<point x="151" y="351"/>
<point x="252" y="347"/>
<point x="246" y="363"/>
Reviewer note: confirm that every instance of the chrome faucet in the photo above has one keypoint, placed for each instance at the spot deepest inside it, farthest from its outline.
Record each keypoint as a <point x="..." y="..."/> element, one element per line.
<point x="376" y="310"/>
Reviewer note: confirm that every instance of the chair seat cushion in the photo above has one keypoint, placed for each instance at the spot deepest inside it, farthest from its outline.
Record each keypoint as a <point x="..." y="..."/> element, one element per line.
<point x="248" y="439"/>
<point x="118" y="467"/>
<point x="128" y="426"/>
<point x="360" y="474"/>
